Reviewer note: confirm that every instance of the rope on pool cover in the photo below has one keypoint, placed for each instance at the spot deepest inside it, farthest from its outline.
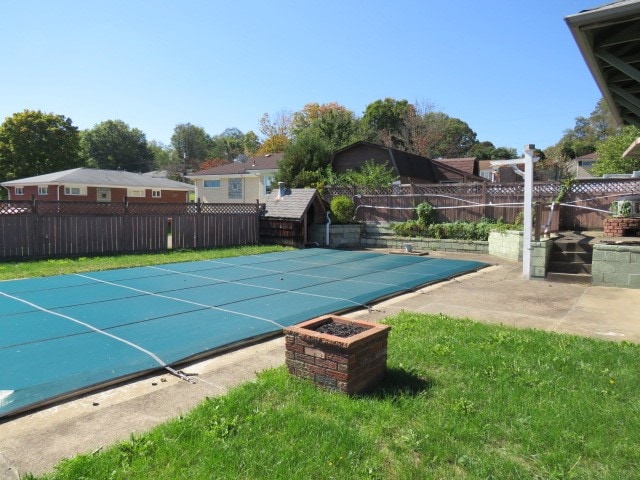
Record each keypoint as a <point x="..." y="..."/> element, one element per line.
<point x="280" y="290"/>
<point x="168" y="297"/>
<point x="155" y="357"/>
<point x="311" y="264"/>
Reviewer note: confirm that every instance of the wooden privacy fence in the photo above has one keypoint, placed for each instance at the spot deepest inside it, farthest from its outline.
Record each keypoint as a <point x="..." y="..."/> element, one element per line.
<point x="67" y="229"/>
<point x="583" y="205"/>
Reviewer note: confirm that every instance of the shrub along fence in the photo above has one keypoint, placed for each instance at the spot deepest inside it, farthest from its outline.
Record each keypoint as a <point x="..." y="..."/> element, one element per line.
<point x="580" y="208"/>
<point x="66" y="229"/>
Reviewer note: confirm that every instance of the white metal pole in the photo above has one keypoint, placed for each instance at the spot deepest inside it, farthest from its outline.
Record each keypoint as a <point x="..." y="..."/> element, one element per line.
<point x="528" y="210"/>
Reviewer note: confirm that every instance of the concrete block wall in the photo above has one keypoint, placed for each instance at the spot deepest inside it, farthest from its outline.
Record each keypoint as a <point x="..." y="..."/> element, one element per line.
<point x="540" y="256"/>
<point x="506" y="245"/>
<point x="616" y="265"/>
<point x="339" y="235"/>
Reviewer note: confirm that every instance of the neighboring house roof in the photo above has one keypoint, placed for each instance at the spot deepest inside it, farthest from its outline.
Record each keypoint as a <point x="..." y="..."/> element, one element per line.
<point x="253" y="164"/>
<point x="293" y="205"/>
<point x="465" y="164"/>
<point x="413" y="166"/>
<point x="608" y="39"/>
<point x="100" y="178"/>
<point x="593" y="156"/>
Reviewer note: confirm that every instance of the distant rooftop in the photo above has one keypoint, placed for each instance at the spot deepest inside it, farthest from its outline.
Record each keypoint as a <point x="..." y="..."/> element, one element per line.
<point x="100" y="178"/>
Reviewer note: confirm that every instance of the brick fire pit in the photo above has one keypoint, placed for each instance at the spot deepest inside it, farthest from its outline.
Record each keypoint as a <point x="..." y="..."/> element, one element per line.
<point x="346" y="364"/>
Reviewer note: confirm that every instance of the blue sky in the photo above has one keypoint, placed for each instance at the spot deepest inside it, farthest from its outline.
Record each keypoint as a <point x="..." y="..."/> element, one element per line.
<point x="509" y="68"/>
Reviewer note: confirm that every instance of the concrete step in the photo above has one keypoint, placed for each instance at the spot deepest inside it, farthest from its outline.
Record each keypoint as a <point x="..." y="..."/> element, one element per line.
<point x="578" y="247"/>
<point x="562" y="256"/>
<point x="557" y="277"/>
<point x="569" y="267"/>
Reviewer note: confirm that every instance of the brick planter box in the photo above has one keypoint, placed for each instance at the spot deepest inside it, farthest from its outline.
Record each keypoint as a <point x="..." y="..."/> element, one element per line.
<point x="349" y="365"/>
<point x="621" y="226"/>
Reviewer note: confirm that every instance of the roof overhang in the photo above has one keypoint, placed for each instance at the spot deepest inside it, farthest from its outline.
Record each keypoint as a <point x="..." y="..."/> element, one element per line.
<point x="609" y="39"/>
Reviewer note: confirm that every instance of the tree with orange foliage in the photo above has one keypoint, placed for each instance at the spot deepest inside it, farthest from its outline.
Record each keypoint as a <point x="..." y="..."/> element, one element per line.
<point x="212" y="163"/>
<point x="274" y="144"/>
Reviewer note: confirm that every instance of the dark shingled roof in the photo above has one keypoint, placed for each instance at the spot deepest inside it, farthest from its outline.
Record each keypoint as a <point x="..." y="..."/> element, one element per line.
<point x="468" y="165"/>
<point x="291" y="206"/>
<point x="253" y="164"/>
<point x="413" y="167"/>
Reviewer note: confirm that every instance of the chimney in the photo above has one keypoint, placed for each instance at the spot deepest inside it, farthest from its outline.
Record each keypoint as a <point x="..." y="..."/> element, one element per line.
<point x="281" y="190"/>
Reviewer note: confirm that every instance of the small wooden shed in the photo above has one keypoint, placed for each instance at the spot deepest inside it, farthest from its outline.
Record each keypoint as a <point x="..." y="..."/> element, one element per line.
<point x="288" y="213"/>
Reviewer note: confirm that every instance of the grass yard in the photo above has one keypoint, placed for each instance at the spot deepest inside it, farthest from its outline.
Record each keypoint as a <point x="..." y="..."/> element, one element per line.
<point x="45" y="268"/>
<point x="461" y="400"/>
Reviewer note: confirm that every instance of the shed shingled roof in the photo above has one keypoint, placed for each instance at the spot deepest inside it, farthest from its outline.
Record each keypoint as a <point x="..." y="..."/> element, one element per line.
<point x="291" y="206"/>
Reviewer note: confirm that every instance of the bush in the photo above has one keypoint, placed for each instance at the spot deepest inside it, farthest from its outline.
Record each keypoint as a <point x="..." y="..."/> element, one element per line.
<point x="459" y="230"/>
<point x="426" y="214"/>
<point x="342" y="209"/>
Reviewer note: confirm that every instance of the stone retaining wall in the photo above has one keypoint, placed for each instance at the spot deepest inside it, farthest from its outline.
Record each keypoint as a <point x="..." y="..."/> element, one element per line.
<point x="616" y="265"/>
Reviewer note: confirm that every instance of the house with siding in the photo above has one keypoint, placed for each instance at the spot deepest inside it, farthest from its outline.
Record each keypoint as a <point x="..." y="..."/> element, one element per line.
<point x="95" y="185"/>
<point x="237" y="182"/>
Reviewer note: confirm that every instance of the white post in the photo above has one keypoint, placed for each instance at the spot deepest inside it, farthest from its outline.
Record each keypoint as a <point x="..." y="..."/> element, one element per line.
<point x="528" y="210"/>
<point x="529" y="160"/>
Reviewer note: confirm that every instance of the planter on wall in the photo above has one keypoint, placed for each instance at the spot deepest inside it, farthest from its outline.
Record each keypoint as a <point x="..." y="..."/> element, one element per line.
<point x="349" y="364"/>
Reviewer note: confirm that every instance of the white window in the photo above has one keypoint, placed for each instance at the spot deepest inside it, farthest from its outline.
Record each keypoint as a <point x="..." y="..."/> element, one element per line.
<point x="235" y="188"/>
<point x="212" y="184"/>
<point x="19" y="190"/>
<point x="268" y="183"/>
<point x="136" y="192"/>
<point x="43" y="190"/>
<point x="72" y="190"/>
<point x="156" y="193"/>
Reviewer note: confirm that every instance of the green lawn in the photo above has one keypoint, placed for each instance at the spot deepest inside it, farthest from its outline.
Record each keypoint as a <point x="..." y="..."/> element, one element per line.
<point x="44" y="268"/>
<point x="461" y="400"/>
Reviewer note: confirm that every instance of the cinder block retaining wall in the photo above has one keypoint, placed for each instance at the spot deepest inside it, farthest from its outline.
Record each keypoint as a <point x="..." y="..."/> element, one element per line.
<point x="506" y="245"/>
<point x="616" y="265"/>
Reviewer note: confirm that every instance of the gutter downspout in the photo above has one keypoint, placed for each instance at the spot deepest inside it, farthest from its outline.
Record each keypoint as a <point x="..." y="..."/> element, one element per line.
<point x="326" y="238"/>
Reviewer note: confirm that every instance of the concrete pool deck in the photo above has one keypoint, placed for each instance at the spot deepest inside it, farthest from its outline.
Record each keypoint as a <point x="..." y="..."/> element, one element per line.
<point x="498" y="294"/>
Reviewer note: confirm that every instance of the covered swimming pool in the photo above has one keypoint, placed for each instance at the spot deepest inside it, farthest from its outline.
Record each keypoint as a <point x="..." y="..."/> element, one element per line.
<point x="67" y="334"/>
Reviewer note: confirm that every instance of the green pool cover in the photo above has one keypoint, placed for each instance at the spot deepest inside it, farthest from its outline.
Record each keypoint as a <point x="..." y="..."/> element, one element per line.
<point x="69" y="333"/>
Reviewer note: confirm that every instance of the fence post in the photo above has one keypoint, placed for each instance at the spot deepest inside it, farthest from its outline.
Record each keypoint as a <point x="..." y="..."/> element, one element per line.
<point x="485" y="208"/>
<point x="538" y="222"/>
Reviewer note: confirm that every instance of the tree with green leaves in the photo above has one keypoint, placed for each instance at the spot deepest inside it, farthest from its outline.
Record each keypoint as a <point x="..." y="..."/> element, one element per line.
<point x="228" y="145"/>
<point x="610" y="152"/>
<point x="370" y="174"/>
<point x="450" y="136"/>
<point x="334" y="123"/>
<point x="161" y="154"/>
<point x="585" y="136"/>
<point x="384" y="120"/>
<point x="114" y="145"/>
<point x="251" y="143"/>
<point x="305" y="161"/>
<point x="34" y="143"/>
<point x="191" y="145"/>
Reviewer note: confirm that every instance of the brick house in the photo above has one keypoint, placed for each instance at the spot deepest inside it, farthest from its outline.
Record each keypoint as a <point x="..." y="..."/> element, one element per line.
<point x="94" y="185"/>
